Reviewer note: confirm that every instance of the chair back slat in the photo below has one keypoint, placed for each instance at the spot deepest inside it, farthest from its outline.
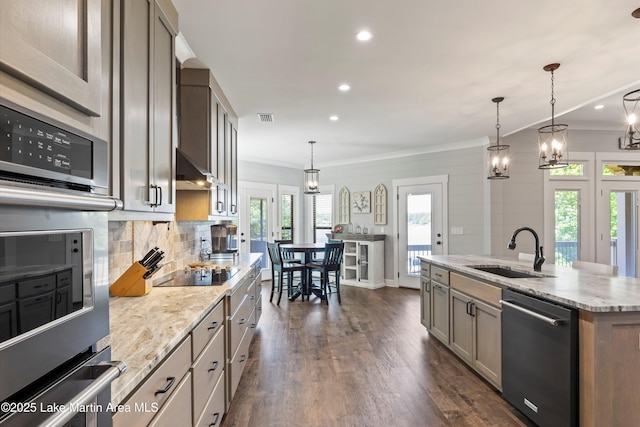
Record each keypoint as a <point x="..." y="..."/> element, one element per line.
<point x="333" y="254"/>
<point x="274" y="253"/>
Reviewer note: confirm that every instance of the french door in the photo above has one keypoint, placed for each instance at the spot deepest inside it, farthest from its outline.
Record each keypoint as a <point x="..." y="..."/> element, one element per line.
<point x="617" y="228"/>
<point x="256" y="221"/>
<point x="420" y="225"/>
<point x="568" y="226"/>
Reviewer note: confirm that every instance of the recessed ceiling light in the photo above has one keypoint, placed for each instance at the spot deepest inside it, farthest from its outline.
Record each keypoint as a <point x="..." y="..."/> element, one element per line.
<point x="333" y="118"/>
<point x="363" y="35"/>
<point x="599" y="107"/>
<point x="344" y="87"/>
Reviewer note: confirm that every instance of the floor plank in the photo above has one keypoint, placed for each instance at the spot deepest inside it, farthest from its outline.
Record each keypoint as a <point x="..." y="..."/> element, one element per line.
<point x="365" y="362"/>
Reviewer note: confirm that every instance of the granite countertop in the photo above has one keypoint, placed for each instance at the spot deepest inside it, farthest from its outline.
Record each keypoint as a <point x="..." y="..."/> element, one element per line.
<point x="575" y="288"/>
<point x="143" y="330"/>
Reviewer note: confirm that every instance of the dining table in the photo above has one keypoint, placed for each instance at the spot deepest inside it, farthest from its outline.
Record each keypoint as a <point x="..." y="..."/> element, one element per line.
<point x="307" y="250"/>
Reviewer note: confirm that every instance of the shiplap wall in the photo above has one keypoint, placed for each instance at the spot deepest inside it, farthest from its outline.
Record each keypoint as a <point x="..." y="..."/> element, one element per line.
<point x="488" y="211"/>
<point x="468" y="206"/>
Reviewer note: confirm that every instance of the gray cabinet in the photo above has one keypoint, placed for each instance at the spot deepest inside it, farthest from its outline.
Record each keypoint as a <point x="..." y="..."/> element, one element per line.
<point x="461" y="325"/>
<point x="55" y="47"/>
<point x="148" y="126"/>
<point x="440" y="304"/>
<point x="208" y="135"/>
<point x="425" y="295"/>
<point x="475" y="326"/>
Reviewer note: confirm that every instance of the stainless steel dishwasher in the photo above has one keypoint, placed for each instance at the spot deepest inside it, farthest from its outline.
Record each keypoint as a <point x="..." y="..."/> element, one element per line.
<point x="540" y="359"/>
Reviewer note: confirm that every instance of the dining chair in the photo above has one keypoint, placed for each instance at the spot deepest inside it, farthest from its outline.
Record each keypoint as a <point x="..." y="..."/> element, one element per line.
<point x="287" y="255"/>
<point x="330" y="264"/>
<point x="282" y="268"/>
<point x="594" y="267"/>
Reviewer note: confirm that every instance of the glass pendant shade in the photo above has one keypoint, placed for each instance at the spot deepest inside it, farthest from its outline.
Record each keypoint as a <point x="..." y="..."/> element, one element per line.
<point x="498" y="164"/>
<point x="631" y="105"/>
<point x="311" y="177"/>
<point x="553" y="141"/>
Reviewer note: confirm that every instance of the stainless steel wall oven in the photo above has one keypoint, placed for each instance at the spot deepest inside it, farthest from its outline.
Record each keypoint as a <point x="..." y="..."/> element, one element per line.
<point x="55" y="363"/>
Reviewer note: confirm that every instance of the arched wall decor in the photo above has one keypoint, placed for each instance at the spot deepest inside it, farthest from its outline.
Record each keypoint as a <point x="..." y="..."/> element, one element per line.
<point x="344" y="207"/>
<point x="380" y="205"/>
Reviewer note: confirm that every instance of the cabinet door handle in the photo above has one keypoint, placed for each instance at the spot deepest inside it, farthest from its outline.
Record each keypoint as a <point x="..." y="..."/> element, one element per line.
<point x="160" y="191"/>
<point x="241" y="321"/>
<point x="215" y="366"/>
<point x="242" y="358"/>
<point x="215" y="419"/>
<point x="170" y="381"/>
<point x="213" y="325"/>
<point x="219" y="206"/>
<point x="152" y="200"/>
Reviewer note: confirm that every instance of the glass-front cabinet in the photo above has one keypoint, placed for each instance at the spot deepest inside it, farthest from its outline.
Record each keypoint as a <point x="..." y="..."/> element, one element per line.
<point x="363" y="262"/>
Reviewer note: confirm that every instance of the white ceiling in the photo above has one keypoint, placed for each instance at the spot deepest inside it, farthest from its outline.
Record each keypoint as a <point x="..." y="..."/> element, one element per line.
<point x="425" y="79"/>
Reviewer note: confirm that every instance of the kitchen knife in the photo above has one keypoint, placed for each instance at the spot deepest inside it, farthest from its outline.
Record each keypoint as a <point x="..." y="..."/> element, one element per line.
<point x="148" y="255"/>
<point x="149" y="262"/>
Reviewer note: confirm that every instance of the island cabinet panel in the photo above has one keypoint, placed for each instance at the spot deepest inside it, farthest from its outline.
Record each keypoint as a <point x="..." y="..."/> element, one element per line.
<point x="425" y="302"/>
<point x="215" y="407"/>
<point x="609" y="348"/>
<point x="461" y="325"/>
<point x="440" y="304"/>
<point x="487" y="342"/>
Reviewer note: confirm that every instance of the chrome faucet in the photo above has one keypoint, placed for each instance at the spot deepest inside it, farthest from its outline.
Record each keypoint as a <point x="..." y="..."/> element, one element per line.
<point x="539" y="256"/>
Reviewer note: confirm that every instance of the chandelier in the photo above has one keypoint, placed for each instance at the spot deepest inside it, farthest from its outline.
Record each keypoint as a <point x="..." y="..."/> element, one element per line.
<point x="552" y="139"/>
<point x="311" y="177"/>
<point x="498" y="154"/>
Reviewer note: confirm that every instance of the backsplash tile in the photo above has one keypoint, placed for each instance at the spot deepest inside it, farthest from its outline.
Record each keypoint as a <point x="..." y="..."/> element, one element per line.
<point x="129" y="241"/>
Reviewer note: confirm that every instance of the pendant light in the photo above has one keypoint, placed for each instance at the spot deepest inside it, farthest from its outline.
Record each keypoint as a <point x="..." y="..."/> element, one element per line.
<point x="498" y="154"/>
<point x="631" y="106"/>
<point x="311" y="177"/>
<point x="552" y="139"/>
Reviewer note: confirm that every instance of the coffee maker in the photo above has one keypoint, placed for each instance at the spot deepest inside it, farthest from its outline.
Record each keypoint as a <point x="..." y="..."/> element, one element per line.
<point x="224" y="239"/>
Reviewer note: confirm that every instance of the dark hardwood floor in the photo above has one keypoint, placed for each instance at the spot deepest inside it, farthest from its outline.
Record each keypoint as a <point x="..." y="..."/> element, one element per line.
<point x="366" y="362"/>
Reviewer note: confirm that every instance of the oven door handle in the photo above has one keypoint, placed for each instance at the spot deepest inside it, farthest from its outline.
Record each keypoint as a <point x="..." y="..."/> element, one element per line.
<point x="88" y="394"/>
<point x="549" y="320"/>
<point x="32" y="197"/>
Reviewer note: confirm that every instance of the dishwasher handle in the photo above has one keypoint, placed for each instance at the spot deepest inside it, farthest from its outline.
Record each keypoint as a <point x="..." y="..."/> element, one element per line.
<point x="549" y="320"/>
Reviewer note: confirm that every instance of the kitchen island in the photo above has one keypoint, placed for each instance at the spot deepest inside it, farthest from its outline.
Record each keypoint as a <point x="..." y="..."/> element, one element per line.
<point x="145" y="330"/>
<point x="609" y="327"/>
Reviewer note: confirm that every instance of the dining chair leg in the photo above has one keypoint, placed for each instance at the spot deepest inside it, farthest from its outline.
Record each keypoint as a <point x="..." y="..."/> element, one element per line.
<point x="280" y="286"/>
<point x="273" y="285"/>
<point x="338" y="286"/>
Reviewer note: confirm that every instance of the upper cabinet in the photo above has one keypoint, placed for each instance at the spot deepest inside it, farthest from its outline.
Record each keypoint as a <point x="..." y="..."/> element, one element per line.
<point x="208" y="137"/>
<point x="55" y="46"/>
<point x="145" y="160"/>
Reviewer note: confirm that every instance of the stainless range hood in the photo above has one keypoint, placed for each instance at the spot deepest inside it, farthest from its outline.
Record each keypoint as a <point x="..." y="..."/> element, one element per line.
<point x="191" y="177"/>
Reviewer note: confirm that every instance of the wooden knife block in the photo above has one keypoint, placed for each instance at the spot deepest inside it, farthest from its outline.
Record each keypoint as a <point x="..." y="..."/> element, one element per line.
<point x="131" y="283"/>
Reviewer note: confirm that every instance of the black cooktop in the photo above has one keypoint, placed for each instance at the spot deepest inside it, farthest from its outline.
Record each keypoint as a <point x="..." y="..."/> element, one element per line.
<point x="200" y="277"/>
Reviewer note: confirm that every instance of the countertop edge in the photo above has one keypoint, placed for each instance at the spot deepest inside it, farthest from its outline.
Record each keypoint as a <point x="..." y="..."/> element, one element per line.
<point x="550" y="288"/>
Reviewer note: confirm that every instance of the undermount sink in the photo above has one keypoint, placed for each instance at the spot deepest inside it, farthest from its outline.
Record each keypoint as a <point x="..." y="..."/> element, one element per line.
<point x="507" y="272"/>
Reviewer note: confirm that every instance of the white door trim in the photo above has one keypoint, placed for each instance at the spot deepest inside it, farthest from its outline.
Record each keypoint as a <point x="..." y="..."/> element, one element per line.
<point x="435" y="179"/>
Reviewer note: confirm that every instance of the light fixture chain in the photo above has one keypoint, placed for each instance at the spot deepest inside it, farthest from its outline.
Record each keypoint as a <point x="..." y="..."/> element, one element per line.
<point x="498" y="123"/>
<point x="553" y="101"/>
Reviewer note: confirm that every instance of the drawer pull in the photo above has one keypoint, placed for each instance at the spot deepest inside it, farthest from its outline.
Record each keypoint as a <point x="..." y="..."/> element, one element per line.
<point x="170" y="381"/>
<point x="215" y="366"/>
<point x="253" y="325"/>
<point x="215" y="419"/>
<point x="242" y="358"/>
<point x="241" y="321"/>
<point x="252" y="297"/>
<point x="213" y="325"/>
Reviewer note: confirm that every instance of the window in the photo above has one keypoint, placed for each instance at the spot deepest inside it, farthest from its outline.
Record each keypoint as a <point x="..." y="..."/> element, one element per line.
<point x="286" y="217"/>
<point x="322" y="217"/>
<point x="574" y="169"/>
